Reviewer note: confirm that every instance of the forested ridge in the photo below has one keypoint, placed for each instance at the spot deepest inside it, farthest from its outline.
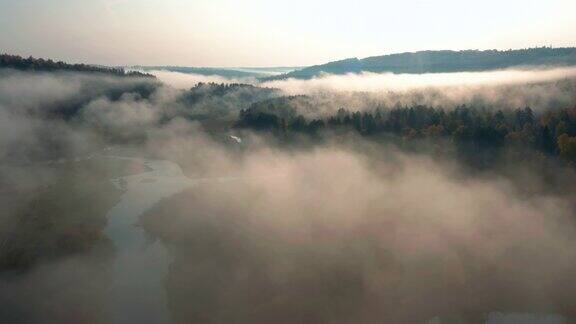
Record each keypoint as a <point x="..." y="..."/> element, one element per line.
<point x="442" y="61"/>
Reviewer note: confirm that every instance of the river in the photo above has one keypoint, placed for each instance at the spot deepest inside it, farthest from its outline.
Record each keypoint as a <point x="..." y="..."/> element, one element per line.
<point x="138" y="292"/>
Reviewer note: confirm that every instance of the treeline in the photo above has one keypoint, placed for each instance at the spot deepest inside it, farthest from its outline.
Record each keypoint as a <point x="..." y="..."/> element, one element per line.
<point x="39" y="64"/>
<point x="474" y="130"/>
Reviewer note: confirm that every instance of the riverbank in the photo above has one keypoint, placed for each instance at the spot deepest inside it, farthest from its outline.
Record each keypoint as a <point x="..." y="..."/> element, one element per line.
<point x="55" y="260"/>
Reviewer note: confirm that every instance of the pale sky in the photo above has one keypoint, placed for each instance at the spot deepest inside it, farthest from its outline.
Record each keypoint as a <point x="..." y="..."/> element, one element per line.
<point x="273" y="33"/>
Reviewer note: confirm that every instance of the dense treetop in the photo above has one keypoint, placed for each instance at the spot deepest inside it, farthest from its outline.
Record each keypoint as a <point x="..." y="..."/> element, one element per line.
<point x="478" y="133"/>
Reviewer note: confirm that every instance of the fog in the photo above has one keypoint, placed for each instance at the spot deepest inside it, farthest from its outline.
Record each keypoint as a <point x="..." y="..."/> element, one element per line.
<point x="377" y="82"/>
<point x="343" y="232"/>
<point x="187" y="80"/>
<point x="342" y="235"/>
<point x="538" y="88"/>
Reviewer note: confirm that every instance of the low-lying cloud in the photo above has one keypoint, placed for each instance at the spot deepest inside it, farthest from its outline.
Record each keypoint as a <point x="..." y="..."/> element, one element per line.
<point x="339" y="233"/>
<point x="398" y="240"/>
<point x="188" y="80"/>
<point x="541" y="89"/>
<point x="382" y="82"/>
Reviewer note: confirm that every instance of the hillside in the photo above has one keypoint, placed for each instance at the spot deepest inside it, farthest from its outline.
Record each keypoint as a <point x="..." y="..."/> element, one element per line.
<point x="240" y="72"/>
<point x="442" y="61"/>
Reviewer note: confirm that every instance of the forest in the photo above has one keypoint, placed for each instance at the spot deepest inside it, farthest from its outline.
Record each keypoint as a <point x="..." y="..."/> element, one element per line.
<point x="287" y="162"/>
<point x="327" y="206"/>
<point x="474" y="131"/>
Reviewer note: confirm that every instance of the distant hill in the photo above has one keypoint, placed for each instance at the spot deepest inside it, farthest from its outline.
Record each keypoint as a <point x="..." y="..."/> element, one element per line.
<point x="16" y="62"/>
<point x="227" y="73"/>
<point x="223" y="72"/>
<point x="442" y="61"/>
